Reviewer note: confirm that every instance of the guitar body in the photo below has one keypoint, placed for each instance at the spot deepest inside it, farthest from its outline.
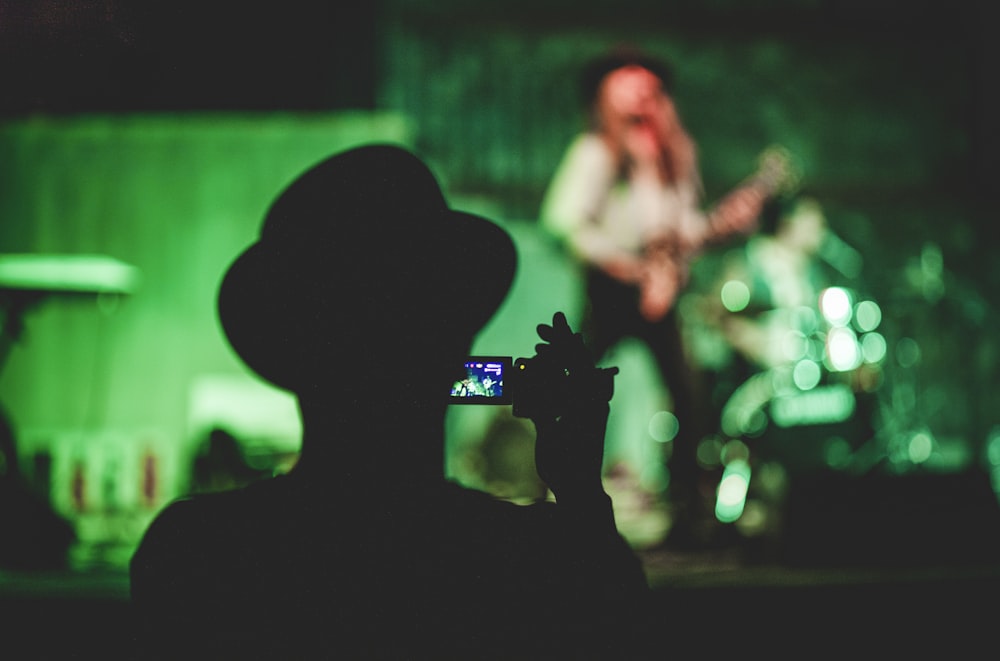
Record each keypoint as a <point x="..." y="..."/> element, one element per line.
<point x="666" y="263"/>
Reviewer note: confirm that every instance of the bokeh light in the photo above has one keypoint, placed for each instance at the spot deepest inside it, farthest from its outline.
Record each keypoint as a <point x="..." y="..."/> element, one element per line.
<point x="709" y="453"/>
<point x="867" y="316"/>
<point x="735" y="295"/>
<point x="663" y="426"/>
<point x="835" y="304"/>
<point x="806" y="319"/>
<point x="732" y="492"/>
<point x="908" y="352"/>
<point x="794" y="345"/>
<point x="836" y="452"/>
<point x="842" y="348"/>
<point x="873" y="347"/>
<point x="806" y="374"/>
<point x="920" y="447"/>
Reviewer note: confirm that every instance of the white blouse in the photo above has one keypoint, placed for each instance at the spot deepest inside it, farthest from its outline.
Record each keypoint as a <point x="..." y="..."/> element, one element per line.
<point x="600" y="216"/>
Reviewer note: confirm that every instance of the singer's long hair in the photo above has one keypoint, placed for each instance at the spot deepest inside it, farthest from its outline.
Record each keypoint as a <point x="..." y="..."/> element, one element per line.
<point x="680" y="154"/>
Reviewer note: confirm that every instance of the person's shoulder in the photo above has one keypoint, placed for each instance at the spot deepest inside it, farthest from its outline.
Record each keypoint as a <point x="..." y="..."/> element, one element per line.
<point x="185" y="514"/>
<point x="189" y="529"/>
<point x="589" y="145"/>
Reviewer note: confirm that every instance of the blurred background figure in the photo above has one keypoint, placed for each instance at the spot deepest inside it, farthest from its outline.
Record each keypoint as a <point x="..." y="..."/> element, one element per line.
<point x="764" y="284"/>
<point x="221" y="464"/>
<point x="32" y="535"/>
<point x="789" y="384"/>
<point x="627" y="203"/>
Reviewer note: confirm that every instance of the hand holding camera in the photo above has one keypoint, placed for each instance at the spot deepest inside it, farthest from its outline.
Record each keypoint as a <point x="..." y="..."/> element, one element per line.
<point x="566" y="397"/>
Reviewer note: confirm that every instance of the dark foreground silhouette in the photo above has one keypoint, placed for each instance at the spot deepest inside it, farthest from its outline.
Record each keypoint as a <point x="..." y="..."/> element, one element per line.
<point x="359" y="299"/>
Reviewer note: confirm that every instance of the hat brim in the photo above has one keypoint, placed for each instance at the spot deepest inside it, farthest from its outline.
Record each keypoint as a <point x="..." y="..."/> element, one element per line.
<point x="285" y="313"/>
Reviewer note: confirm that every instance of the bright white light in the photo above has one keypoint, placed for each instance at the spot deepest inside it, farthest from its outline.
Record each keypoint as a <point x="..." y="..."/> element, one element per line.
<point x="835" y="304"/>
<point x="732" y="492"/>
<point x="842" y="349"/>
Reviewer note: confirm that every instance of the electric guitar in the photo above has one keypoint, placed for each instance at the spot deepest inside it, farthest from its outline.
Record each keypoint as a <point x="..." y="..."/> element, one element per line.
<point x="667" y="263"/>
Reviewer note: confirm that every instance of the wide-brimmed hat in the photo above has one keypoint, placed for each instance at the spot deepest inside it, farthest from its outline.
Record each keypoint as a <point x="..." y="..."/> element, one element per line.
<point x="361" y="252"/>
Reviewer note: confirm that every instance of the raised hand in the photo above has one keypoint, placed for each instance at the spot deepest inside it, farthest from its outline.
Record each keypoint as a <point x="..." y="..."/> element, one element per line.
<point x="569" y="450"/>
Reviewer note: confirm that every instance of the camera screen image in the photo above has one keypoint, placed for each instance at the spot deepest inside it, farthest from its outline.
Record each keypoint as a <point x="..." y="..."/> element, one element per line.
<point x="483" y="382"/>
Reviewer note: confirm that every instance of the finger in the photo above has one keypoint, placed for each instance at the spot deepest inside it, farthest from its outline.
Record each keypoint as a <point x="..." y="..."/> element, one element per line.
<point x="559" y="321"/>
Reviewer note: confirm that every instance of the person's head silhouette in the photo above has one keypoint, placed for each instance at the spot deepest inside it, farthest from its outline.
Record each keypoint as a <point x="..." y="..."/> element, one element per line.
<point x="357" y="298"/>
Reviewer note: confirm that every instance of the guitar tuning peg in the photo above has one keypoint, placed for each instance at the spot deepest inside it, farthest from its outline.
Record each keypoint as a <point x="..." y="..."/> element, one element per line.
<point x="778" y="170"/>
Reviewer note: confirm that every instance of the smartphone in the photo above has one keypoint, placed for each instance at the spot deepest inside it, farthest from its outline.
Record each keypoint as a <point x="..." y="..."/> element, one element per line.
<point x="487" y="381"/>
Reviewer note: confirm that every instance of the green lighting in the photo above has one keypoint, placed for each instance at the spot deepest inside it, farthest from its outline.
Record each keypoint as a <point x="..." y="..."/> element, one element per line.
<point x="743" y="414"/>
<point x="993" y="447"/>
<point x="806" y="320"/>
<point x="68" y="273"/>
<point x="867" y="316"/>
<point x="735" y="295"/>
<point x="734" y="450"/>
<point x="908" y="352"/>
<point x="806" y="375"/>
<point x="836" y="452"/>
<point x="919" y="448"/>
<point x="663" y="426"/>
<point x="795" y="345"/>
<point x="873" y="347"/>
<point x="818" y="406"/>
<point x="732" y="492"/>
<point x="710" y="452"/>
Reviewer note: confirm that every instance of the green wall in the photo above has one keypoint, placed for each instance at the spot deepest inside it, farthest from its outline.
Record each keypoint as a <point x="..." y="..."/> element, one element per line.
<point x="176" y="196"/>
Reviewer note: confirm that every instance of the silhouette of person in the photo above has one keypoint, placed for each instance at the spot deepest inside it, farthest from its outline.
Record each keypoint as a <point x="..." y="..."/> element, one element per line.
<point x="364" y="549"/>
<point x="34" y="535"/>
<point x="626" y="202"/>
<point x="220" y="464"/>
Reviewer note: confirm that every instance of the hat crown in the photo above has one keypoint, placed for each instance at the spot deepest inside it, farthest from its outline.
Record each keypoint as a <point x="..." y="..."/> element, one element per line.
<point x="358" y="252"/>
<point x="355" y="196"/>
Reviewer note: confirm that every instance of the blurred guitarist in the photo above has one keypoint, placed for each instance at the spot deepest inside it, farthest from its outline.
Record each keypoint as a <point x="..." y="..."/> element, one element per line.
<point x="626" y="202"/>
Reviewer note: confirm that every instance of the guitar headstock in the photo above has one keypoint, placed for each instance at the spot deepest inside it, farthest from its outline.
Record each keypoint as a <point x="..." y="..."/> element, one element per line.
<point x="776" y="171"/>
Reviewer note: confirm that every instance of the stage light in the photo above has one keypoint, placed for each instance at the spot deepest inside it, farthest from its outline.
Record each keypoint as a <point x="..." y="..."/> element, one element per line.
<point x="732" y="492"/>
<point x="843" y="352"/>
<point x="806" y="374"/>
<point x="663" y="426"/>
<point x="795" y="345"/>
<point x="735" y="295"/>
<point x="867" y="316"/>
<point x="920" y="447"/>
<point x="873" y="347"/>
<point x="835" y="304"/>
<point x="908" y="352"/>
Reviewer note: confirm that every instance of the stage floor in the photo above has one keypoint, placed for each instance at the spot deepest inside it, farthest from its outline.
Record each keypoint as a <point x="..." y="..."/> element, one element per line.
<point x="705" y="603"/>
